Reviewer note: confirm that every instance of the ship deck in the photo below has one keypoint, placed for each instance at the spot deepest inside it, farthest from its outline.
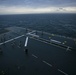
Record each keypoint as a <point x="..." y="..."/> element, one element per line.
<point x="43" y="57"/>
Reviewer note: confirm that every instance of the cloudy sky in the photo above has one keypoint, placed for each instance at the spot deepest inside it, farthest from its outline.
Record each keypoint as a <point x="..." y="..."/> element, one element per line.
<point x="37" y="6"/>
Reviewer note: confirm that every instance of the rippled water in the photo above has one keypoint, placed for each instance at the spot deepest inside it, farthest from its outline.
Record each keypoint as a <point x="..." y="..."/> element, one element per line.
<point x="63" y="24"/>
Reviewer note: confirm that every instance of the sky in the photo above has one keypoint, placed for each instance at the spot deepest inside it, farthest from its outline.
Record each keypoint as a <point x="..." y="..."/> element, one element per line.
<point x="37" y="6"/>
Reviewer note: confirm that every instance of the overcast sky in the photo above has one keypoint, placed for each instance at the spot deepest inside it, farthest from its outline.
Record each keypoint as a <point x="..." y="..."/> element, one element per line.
<point x="37" y="6"/>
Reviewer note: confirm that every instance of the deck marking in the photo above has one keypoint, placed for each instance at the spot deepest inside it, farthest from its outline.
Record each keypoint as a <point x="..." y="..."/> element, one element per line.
<point x="18" y="46"/>
<point x="50" y="65"/>
<point x="34" y="56"/>
<point x="47" y="63"/>
<point x="47" y="43"/>
<point x="56" y="35"/>
<point x="26" y="41"/>
<point x="62" y="72"/>
<point x="11" y="39"/>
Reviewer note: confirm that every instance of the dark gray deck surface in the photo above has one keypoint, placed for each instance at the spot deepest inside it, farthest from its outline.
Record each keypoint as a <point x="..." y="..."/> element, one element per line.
<point x="42" y="58"/>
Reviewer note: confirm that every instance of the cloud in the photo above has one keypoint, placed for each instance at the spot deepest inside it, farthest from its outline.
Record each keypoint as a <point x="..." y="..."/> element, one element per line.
<point x="37" y="6"/>
<point x="39" y="3"/>
<point x="24" y="10"/>
<point x="29" y="10"/>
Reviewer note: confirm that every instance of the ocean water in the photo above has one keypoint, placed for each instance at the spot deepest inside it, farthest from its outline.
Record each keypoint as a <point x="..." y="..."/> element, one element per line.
<point x="61" y="24"/>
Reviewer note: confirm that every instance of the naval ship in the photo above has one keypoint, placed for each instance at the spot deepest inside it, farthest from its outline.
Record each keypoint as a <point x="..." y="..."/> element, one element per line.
<point x="25" y="51"/>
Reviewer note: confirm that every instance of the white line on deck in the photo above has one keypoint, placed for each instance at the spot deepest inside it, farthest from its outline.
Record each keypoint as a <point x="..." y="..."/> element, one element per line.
<point x="62" y="72"/>
<point x="11" y="39"/>
<point x="47" y="63"/>
<point x="34" y="56"/>
<point x="50" y="65"/>
<point x="47" y="43"/>
<point x="26" y="41"/>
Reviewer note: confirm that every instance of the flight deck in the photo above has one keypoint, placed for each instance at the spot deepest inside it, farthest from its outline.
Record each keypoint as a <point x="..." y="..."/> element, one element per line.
<point x="31" y="52"/>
